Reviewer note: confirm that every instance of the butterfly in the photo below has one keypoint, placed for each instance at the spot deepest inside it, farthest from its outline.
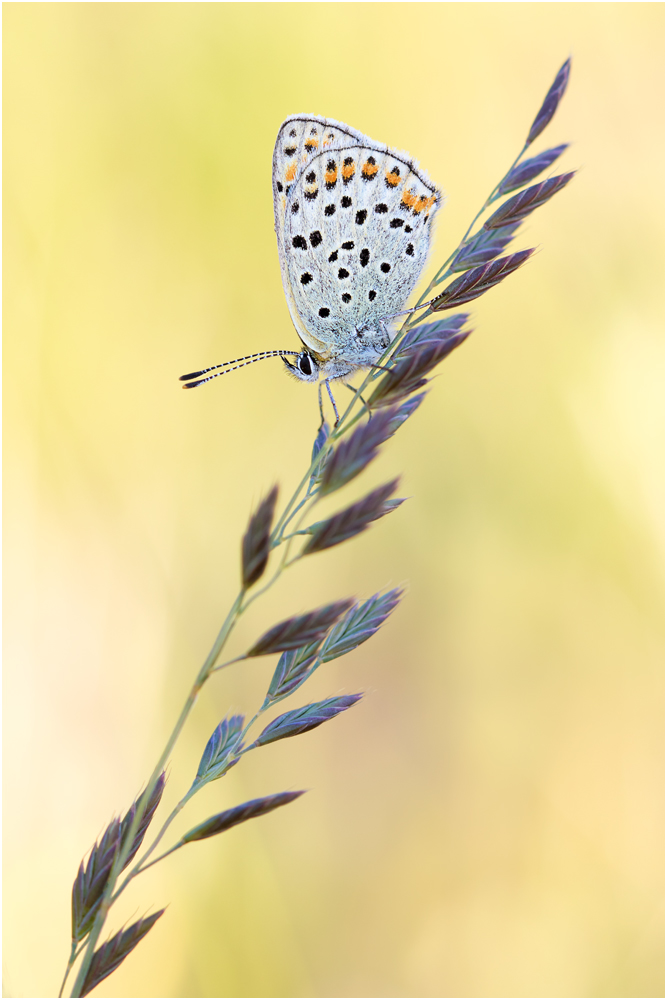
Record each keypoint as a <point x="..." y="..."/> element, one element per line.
<point x="353" y="220"/>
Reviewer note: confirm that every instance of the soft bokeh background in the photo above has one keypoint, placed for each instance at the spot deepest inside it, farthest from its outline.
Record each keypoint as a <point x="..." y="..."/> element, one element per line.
<point x="488" y="821"/>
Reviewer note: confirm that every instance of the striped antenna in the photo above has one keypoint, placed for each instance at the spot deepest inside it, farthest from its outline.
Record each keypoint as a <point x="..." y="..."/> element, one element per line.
<point x="231" y="366"/>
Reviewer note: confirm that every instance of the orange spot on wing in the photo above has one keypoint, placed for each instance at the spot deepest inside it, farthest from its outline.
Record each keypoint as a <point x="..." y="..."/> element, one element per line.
<point x="392" y="179"/>
<point x="348" y="169"/>
<point x="290" y="173"/>
<point x="422" y="203"/>
<point x="369" y="169"/>
<point x="331" y="175"/>
<point x="408" y="198"/>
<point x="312" y="143"/>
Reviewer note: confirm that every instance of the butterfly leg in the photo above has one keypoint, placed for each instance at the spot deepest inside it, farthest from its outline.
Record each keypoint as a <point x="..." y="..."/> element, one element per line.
<point x="333" y="401"/>
<point x="319" y="400"/>
<point x="366" y="406"/>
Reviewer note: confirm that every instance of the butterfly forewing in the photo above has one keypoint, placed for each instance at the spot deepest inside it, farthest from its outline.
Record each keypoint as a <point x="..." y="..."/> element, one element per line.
<point x="353" y="220"/>
<point x="299" y="139"/>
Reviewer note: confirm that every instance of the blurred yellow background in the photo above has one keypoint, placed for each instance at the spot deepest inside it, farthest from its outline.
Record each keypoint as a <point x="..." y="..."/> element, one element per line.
<point x="488" y="822"/>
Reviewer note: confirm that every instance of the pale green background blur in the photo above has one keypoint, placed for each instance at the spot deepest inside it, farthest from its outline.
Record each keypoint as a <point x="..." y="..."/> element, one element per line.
<point x="488" y="821"/>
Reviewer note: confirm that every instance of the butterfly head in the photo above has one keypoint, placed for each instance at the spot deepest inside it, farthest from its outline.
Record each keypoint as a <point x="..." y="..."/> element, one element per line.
<point x="306" y="367"/>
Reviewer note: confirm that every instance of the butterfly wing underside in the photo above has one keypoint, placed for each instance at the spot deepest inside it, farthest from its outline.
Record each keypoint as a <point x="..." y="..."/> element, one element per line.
<point x="353" y="221"/>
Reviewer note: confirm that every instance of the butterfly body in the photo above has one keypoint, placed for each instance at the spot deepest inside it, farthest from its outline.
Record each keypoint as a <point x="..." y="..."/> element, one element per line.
<point x="353" y="221"/>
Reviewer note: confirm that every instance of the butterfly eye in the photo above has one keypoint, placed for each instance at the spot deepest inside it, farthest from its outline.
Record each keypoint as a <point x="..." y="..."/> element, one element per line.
<point x="305" y="364"/>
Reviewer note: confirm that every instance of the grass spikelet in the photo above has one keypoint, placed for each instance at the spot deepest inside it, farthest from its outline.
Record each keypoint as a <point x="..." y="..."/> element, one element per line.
<point x="409" y="374"/>
<point x="430" y="333"/>
<point x="256" y="541"/>
<point x="475" y="282"/>
<point x="516" y="209"/>
<point x="295" y="632"/>
<point x="357" y="451"/>
<point x="224" y="741"/>
<point x="485" y="246"/>
<point x="351" y="521"/>
<point x="551" y="102"/>
<point x="294" y="667"/>
<point x="359" y="624"/>
<point x="91" y="881"/>
<point x="114" y="951"/>
<point x="528" y="170"/>
<point x="147" y="813"/>
<point x="238" y="814"/>
<point x="302" y="720"/>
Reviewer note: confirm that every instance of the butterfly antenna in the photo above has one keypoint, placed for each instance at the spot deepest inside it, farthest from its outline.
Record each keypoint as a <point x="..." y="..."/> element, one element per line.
<point x="231" y="366"/>
<point x="406" y="312"/>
